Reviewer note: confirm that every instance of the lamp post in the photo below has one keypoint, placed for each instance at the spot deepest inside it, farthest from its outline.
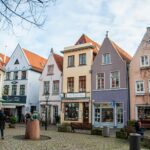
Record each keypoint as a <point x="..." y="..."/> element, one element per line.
<point x="46" y="97"/>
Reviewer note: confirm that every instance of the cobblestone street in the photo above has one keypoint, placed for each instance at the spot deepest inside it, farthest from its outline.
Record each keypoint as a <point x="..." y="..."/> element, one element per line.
<point x="60" y="141"/>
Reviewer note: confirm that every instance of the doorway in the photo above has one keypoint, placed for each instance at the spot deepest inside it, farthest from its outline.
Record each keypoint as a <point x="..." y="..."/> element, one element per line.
<point x="85" y="112"/>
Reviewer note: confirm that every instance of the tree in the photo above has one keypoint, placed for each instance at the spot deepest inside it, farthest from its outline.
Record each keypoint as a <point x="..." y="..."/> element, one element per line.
<point x="23" y="11"/>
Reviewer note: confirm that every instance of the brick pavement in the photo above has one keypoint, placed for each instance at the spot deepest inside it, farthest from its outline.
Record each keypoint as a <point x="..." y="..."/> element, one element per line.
<point x="61" y="141"/>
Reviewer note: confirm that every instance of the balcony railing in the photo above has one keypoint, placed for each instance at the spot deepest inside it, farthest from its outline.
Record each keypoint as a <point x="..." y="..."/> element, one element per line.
<point x="75" y="95"/>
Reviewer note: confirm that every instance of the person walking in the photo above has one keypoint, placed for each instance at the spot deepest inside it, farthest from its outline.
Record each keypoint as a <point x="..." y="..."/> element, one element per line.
<point x="2" y="124"/>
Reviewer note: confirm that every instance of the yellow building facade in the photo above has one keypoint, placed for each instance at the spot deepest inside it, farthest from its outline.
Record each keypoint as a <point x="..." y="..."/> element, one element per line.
<point x="76" y="97"/>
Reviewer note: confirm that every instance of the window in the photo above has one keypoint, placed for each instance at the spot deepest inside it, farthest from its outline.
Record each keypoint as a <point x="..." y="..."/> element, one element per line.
<point x="82" y="83"/>
<point x="144" y="61"/>
<point x="144" y="112"/>
<point x="82" y="59"/>
<point x="14" y="90"/>
<point x="22" y="89"/>
<point x="16" y="62"/>
<point x="71" y="111"/>
<point x="46" y="87"/>
<point x="107" y="114"/>
<point x="97" y="114"/>
<point x="115" y="79"/>
<point x="50" y="69"/>
<point x="7" y="75"/>
<point x="71" y="61"/>
<point x="139" y="87"/>
<point x="106" y="59"/>
<point x="119" y="107"/>
<point x="6" y="90"/>
<point x="15" y="75"/>
<point x="70" y="84"/>
<point x="23" y="75"/>
<point x="56" y="87"/>
<point x="100" y="81"/>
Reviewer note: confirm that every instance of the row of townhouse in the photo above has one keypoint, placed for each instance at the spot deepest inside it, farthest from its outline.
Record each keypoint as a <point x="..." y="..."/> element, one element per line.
<point x="92" y="83"/>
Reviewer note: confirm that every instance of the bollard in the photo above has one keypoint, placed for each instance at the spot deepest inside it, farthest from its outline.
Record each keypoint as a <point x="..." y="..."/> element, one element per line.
<point x="106" y="131"/>
<point x="135" y="141"/>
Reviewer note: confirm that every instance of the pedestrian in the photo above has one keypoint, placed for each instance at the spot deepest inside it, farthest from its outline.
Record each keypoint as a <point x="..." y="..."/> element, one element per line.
<point x="2" y="124"/>
<point x="43" y="118"/>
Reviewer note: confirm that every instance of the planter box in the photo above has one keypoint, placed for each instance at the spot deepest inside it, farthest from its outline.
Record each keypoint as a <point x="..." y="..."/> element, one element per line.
<point x="96" y="131"/>
<point x="121" y="135"/>
<point x="33" y="130"/>
<point x="64" y="128"/>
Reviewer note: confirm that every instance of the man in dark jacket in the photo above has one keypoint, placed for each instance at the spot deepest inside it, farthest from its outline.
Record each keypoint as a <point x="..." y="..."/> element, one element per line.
<point x="2" y="123"/>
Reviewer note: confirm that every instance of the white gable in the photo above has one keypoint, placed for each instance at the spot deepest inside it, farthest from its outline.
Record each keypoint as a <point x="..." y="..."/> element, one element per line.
<point x="19" y="57"/>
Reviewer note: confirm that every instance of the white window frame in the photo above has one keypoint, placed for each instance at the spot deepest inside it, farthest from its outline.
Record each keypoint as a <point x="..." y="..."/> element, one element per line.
<point x="103" y="56"/>
<point x="145" y="65"/>
<point x="149" y="85"/>
<point x="111" y="80"/>
<point x="139" y="92"/>
<point x="97" y="81"/>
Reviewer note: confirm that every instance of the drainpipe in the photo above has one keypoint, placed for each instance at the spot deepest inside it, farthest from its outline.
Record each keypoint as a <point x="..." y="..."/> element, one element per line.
<point x="128" y="86"/>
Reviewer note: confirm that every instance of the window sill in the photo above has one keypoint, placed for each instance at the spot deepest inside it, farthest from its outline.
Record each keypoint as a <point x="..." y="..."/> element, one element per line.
<point x="82" y="65"/>
<point x="140" y="94"/>
<point x="106" y="64"/>
<point x="70" y="66"/>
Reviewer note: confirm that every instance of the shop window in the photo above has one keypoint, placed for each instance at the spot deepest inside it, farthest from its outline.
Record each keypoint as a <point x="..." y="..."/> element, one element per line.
<point x="71" y="111"/>
<point x="107" y="114"/>
<point x="144" y="112"/>
<point x="120" y="115"/>
<point x="97" y="114"/>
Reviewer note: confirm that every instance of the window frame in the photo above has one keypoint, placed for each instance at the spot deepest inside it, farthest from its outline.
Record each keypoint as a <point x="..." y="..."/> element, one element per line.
<point x="97" y="81"/>
<point x="111" y="80"/>
<point x="55" y="92"/>
<point x="15" y="75"/>
<point x="139" y="92"/>
<point x="71" y="64"/>
<point x="103" y="59"/>
<point x="50" y="69"/>
<point x="12" y="91"/>
<point x="46" y="89"/>
<point x="82" y="79"/>
<point x="22" y="90"/>
<point x="71" y="91"/>
<point x="82" y="63"/>
<point x="141" y="65"/>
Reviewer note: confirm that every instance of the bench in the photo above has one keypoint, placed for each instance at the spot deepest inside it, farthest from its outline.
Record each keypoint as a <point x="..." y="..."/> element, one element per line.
<point x="83" y="126"/>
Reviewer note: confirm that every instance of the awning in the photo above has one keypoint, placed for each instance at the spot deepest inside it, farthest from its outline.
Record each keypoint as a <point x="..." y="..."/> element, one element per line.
<point x="7" y="106"/>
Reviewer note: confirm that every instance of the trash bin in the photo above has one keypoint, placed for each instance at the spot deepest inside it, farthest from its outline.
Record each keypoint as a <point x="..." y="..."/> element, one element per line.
<point x="106" y="131"/>
<point x="135" y="141"/>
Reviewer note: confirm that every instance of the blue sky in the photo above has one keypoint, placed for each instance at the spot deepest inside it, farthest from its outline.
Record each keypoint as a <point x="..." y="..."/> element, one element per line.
<point x="67" y="20"/>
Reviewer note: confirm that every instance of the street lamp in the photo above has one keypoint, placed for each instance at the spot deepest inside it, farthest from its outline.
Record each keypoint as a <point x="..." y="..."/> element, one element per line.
<point x="46" y="97"/>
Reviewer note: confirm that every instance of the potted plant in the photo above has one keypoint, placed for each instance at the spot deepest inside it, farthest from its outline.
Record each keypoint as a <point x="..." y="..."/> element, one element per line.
<point x="13" y="121"/>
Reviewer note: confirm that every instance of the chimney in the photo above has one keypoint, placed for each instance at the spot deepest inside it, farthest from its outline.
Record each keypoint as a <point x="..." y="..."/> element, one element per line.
<point x="148" y="28"/>
<point x="52" y="50"/>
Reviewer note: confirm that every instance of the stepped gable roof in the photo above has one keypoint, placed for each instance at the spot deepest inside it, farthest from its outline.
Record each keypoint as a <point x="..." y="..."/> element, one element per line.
<point x="59" y="61"/>
<point x="3" y="61"/>
<point x="37" y="62"/>
<point x="122" y="52"/>
<point x="85" y="39"/>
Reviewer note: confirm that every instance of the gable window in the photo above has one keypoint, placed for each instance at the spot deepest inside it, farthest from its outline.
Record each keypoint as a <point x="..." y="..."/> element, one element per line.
<point x="23" y="75"/>
<point x="100" y="81"/>
<point x="71" y="61"/>
<point x="106" y="59"/>
<point x="22" y="89"/>
<point x="139" y="86"/>
<point x="82" y="83"/>
<point x="82" y="59"/>
<point x="15" y="75"/>
<point x="6" y="89"/>
<point x="50" y="69"/>
<point x="16" y="62"/>
<point x="70" y="84"/>
<point x="14" y="90"/>
<point x="144" y="61"/>
<point x="46" y="87"/>
<point x="7" y="75"/>
<point x="114" y="79"/>
<point x="55" y="87"/>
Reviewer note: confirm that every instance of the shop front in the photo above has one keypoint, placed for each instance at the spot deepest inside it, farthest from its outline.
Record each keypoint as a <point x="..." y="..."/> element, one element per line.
<point x="108" y="114"/>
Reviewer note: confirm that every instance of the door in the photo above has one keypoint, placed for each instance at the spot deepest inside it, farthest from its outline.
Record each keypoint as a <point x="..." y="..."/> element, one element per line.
<point x="55" y="113"/>
<point x="19" y="113"/>
<point x="85" y="112"/>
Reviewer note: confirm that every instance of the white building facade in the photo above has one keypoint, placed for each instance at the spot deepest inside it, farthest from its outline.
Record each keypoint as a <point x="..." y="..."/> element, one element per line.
<point x="51" y="83"/>
<point x="21" y="83"/>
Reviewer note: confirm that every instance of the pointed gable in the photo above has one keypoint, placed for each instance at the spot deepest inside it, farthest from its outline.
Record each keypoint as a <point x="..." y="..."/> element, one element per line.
<point x="3" y="61"/>
<point x="37" y="62"/>
<point x="85" y="39"/>
<point x="59" y="61"/>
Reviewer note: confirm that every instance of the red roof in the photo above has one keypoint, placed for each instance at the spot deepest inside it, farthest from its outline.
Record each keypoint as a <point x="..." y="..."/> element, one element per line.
<point x="59" y="61"/>
<point x="3" y="61"/>
<point x="85" y="39"/>
<point x="37" y="62"/>
<point x="122" y="53"/>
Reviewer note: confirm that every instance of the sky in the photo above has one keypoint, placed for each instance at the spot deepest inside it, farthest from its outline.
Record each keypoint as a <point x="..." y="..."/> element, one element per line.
<point x="67" y="20"/>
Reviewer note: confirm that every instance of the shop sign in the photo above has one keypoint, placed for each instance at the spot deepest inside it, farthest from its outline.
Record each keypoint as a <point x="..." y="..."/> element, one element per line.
<point x="75" y="95"/>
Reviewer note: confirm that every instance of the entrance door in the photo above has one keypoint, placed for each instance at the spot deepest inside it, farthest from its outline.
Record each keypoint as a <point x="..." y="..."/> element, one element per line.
<point x="85" y="112"/>
<point x="19" y="113"/>
<point x="55" y="113"/>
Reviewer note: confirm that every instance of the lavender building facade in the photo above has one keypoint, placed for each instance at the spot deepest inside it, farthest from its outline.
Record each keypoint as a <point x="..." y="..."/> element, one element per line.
<point x="110" y="93"/>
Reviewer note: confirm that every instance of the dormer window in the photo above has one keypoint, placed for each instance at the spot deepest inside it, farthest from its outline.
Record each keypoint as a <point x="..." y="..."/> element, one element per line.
<point x="16" y="62"/>
<point x="50" y="69"/>
<point x="106" y="59"/>
<point x="144" y="61"/>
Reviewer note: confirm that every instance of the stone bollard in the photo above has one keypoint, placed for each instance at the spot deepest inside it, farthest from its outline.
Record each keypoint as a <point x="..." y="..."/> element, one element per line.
<point x="135" y="141"/>
<point x="106" y="131"/>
